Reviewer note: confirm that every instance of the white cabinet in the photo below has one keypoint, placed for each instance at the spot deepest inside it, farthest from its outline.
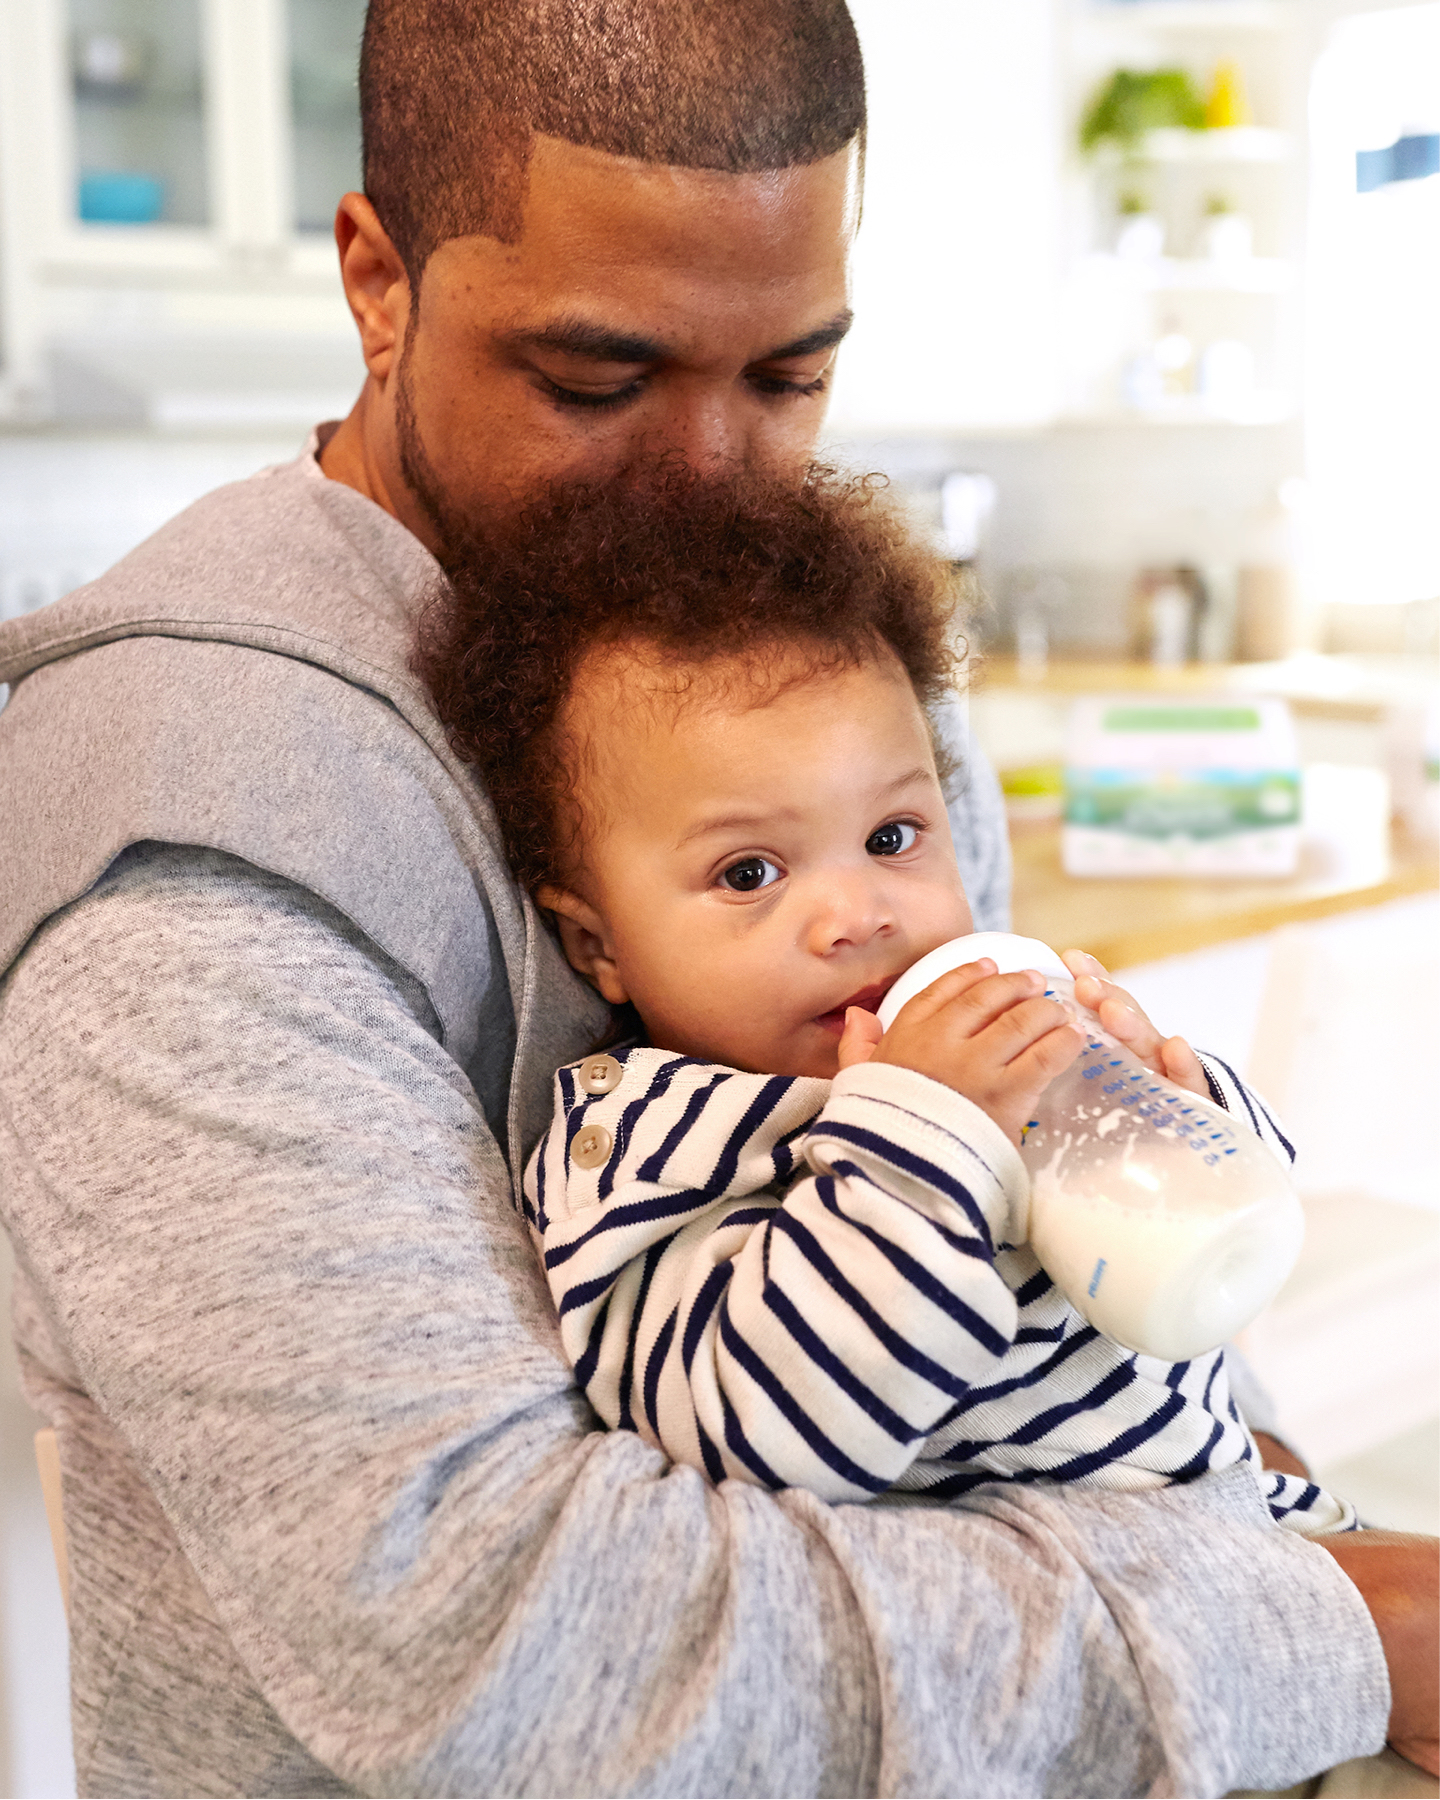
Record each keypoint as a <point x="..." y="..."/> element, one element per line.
<point x="168" y="169"/>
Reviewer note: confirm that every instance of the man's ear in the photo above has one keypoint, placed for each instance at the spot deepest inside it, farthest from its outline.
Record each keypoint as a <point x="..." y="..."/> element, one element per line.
<point x="585" y="940"/>
<point x="376" y="285"/>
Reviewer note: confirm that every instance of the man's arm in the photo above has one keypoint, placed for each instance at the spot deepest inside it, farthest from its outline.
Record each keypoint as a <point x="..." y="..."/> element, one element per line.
<point x="264" y="1209"/>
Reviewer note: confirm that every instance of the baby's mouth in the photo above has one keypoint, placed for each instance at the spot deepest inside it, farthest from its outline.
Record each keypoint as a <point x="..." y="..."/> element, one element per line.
<point x="867" y="997"/>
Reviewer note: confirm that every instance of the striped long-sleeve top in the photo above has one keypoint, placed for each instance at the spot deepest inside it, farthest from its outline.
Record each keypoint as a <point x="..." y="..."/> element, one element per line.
<point x="808" y="1283"/>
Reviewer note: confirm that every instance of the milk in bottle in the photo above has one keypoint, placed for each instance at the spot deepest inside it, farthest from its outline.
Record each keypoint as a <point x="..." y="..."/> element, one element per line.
<point x="1165" y="1222"/>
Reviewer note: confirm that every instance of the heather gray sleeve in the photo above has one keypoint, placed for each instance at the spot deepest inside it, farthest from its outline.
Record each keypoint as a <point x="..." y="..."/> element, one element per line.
<point x="977" y="823"/>
<point x="261" y="1206"/>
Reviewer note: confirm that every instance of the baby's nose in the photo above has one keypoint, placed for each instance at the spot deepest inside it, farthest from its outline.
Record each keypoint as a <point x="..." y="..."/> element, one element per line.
<point x="852" y="910"/>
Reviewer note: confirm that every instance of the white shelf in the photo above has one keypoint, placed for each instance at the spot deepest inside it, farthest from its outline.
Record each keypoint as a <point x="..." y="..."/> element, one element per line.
<point x="1220" y="16"/>
<point x="1235" y="144"/>
<point x="1263" y="407"/>
<point x="1198" y="275"/>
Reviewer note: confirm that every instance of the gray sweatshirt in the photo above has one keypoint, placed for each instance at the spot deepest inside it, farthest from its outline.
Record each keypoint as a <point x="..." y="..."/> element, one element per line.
<point x="275" y="1034"/>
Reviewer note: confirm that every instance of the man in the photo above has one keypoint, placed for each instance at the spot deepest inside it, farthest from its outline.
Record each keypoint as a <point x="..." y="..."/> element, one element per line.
<point x="278" y="1031"/>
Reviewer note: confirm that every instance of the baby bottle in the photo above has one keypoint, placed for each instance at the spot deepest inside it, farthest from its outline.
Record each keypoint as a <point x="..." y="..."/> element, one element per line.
<point x="1165" y="1222"/>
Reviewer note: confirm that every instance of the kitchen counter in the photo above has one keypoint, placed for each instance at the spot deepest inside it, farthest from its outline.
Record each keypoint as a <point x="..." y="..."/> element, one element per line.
<point x="1340" y="702"/>
<point x="1362" y="688"/>
<point x="1132" y="920"/>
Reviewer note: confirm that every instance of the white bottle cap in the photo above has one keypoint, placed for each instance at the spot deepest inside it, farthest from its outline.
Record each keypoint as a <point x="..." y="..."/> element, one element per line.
<point x="1004" y="948"/>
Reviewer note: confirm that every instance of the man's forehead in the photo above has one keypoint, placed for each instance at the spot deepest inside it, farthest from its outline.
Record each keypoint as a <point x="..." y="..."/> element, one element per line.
<point x="587" y="214"/>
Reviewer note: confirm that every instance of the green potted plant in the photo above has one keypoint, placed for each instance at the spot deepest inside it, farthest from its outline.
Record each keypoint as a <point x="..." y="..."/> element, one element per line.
<point x="1135" y="102"/>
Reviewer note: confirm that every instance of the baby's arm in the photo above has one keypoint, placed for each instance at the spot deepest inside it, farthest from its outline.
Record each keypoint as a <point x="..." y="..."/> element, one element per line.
<point x="814" y="1340"/>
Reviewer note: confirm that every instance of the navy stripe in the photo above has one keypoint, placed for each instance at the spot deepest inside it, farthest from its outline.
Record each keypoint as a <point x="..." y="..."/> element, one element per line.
<point x="536" y="1214"/>
<point x="897" y="1157"/>
<point x="1041" y="1334"/>
<point x="1217" y="1093"/>
<point x="950" y="1487"/>
<point x="740" y="1446"/>
<point x="1271" y="1121"/>
<point x="653" y="1167"/>
<point x="1041" y="1372"/>
<point x="1115" y="1382"/>
<point x="669" y="1205"/>
<point x="756" y="1113"/>
<point x="750" y="1215"/>
<point x="712" y="1291"/>
<point x="1034" y="1289"/>
<point x="1200" y="1462"/>
<point x="964" y="1246"/>
<point x="632" y="1340"/>
<point x="916" y="1273"/>
<point x="903" y="1351"/>
<point x="825" y="1359"/>
<point x="1247" y="1097"/>
<point x="630" y="1116"/>
<point x="1214" y="1376"/>
<point x="584" y="1292"/>
<point x="1240" y="1090"/>
<point x="709" y="1455"/>
<point x="1120" y="1447"/>
<point x="585" y="1364"/>
<point x="654" y="1364"/>
<point x="785" y="1402"/>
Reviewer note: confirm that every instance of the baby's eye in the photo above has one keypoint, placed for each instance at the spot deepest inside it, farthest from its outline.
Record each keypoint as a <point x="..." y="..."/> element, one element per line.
<point x="891" y="839"/>
<point x="750" y="873"/>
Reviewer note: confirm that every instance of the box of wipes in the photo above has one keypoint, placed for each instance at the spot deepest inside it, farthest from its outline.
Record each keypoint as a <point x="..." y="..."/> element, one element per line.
<point x="1181" y="787"/>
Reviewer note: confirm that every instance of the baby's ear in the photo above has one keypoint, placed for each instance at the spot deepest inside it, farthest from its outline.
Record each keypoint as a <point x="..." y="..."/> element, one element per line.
<point x="585" y="941"/>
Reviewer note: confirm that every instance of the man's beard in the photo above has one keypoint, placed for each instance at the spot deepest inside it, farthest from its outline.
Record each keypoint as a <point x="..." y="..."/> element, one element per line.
<point x="463" y="536"/>
<point x="458" y="535"/>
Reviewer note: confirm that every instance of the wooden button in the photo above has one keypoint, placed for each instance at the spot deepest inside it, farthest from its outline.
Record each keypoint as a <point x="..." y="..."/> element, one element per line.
<point x="590" y="1147"/>
<point x="599" y="1074"/>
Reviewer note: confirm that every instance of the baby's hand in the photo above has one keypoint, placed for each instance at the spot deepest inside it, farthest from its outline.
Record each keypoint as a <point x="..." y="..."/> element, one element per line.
<point x="994" y="1038"/>
<point x="1123" y="1019"/>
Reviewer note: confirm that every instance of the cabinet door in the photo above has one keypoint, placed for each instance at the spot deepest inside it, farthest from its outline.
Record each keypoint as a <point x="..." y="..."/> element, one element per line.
<point x="137" y="70"/>
<point x="956" y="263"/>
<point x="324" y="47"/>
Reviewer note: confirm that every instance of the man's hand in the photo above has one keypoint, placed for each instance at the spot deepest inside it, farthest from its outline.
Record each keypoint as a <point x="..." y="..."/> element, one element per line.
<point x="1398" y="1575"/>
<point x="1125" y="1020"/>
<point x="994" y="1038"/>
<point x="1275" y="1455"/>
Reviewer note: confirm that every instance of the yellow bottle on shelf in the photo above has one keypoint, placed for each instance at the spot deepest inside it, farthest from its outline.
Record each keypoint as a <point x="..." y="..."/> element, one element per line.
<point x="1228" y="104"/>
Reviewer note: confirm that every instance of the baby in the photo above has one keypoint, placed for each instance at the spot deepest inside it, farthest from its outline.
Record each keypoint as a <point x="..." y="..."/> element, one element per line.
<point x="778" y="1240"/>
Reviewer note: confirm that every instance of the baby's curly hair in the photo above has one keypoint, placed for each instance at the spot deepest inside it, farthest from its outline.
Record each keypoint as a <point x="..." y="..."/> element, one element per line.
<point x="690" y="569"/>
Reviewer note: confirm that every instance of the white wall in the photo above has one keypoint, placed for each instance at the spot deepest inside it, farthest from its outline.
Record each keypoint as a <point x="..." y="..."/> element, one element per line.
<point x="956" y="266"/>
<point x="72" y="503"/>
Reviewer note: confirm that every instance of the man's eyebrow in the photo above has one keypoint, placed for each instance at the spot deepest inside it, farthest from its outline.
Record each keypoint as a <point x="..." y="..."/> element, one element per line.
<point x="602" y="343"/>
<point x="587" y="337"/>
<point x="824" y="337"/>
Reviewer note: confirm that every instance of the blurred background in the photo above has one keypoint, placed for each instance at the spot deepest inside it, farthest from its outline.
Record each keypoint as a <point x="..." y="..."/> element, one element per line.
<point x="1148" y="295"/>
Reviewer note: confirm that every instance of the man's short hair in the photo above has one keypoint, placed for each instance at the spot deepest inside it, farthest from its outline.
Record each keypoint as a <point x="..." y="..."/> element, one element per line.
<point x="452" y="91"/>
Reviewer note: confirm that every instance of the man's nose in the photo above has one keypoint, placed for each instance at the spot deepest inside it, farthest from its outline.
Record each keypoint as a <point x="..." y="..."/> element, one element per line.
<point x="850" y="910"/>
<point x="704" y="430"/>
